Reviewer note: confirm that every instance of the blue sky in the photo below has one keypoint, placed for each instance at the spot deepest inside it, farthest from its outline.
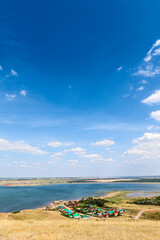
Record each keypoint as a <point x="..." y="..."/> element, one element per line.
<point x="79" y="88"/>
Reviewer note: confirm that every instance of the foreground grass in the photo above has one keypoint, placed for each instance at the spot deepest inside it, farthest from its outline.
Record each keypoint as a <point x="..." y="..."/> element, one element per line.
<point x="151" y="215"/>
<point x="54" y="229"/>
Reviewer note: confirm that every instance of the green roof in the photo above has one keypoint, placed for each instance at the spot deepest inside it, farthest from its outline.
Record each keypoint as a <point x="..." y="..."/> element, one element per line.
<point x="75" y="215"/>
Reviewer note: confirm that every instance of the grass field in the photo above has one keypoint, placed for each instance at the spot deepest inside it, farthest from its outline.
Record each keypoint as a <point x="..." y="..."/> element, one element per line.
<point x="38" y="225"/>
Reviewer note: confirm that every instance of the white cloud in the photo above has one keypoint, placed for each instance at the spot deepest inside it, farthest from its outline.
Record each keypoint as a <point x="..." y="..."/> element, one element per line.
<point x="19" y="146"/>
<point x="153" y="99"/>
<point x="150" y="127"/>
<point x="77" y="150"/>
<point x="54" y="144"/>
<point x="147" y="148"/>
<point x="143" y="81"/>
<point x="1" y="69"/>
<point x="59" y="144"/>
<point x="23" y="93"/>
<point x="130" y="87"/>
<point x="104" y="143"/>
<point x="98" y="158"/>
<point x="13" y="73"/>
<point x="150" y="68"/>
<point x="156" y="115"/>
<point x="126" y="95"/>
<point x="68" y="144"/>
<point x="140" y="88"/>
<point x="94" y="155"/>
<point x="10" y="97"/>
<point x="57" y="155"/>
<point x="153" y="52"/>
<point x="102" y="160"/>
<point x="148" y="71"/>
<point x="73" y="162"/>
<point x="119" y="68"/>
<point x="147" y="137"/>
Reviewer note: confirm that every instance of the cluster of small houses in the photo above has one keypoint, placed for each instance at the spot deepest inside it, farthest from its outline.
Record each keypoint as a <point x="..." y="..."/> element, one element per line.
<point x="81" y="211"/>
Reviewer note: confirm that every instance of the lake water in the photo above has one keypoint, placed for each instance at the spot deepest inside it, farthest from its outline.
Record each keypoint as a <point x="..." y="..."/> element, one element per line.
<point x="19" y="198"/>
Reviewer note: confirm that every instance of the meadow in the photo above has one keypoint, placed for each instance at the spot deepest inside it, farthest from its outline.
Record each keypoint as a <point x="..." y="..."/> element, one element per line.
<point x="53" y="226"/>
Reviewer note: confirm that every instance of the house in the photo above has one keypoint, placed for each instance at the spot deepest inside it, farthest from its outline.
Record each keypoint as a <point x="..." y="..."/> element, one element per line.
<point x="115" y="214"/>
<point x="75" y="215"/>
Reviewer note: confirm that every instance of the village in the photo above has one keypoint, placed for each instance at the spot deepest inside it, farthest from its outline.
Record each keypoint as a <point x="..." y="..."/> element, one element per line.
<point x="85" y="209"/>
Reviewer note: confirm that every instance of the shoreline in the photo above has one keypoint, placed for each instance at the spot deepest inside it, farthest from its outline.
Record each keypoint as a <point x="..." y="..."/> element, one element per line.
<point x="109" y="194"/>
<point x="36" y="185"/>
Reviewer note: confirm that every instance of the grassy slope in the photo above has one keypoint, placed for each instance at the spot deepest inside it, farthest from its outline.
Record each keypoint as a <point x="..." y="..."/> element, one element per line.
<point x="55" y="227"/>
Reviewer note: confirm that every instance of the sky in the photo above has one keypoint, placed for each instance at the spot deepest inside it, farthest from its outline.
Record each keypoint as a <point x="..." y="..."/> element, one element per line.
<point x="79" y="88"/>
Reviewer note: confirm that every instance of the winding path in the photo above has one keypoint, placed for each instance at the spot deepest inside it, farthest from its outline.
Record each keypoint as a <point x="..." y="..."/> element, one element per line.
<point x="139" y="214"/>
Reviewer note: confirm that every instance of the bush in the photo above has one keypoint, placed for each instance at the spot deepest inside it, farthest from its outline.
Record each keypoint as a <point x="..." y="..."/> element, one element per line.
<point x="15" y="212"/>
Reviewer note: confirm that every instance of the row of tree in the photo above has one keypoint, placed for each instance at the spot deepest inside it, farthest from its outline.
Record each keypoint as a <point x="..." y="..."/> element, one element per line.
<point x="147" y="201"/>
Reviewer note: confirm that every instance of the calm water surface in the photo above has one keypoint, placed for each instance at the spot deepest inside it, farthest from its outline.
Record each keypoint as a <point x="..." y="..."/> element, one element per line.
<point x="19" y="198"/>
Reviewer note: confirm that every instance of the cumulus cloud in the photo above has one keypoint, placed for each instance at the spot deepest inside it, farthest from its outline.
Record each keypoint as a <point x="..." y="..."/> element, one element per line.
<point x="10" y="97"/>
<point x="77" y="150"/>
<point x="156" y="115"/>
<point x="104" y="143"/>
<point x="119" y="68"/>
<point x="153" y="98"/>
<point x="147" y="147"/>
<point x="59" y="144"/>
<point x="13" y="73"/>
<point x="19" y="146"/>
<point x="23" y="93"/>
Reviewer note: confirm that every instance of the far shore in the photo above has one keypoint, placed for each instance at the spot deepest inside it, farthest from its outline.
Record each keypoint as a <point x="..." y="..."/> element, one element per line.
<point x="52" y="181"/>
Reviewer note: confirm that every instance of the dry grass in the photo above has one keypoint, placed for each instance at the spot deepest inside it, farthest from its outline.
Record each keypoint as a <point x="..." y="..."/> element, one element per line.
<point x="31" y="225"/>
<point x="152" y="215"/>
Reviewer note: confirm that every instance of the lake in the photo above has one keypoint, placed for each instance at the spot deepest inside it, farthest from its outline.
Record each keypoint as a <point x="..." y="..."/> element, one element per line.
<point x="19" y="198"/>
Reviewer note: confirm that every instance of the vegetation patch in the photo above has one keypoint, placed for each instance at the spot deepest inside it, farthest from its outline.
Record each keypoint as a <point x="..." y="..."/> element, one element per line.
<point x="94" y="201"/>
<point x="146" y="201"/>
<point x="151" y="215"/>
